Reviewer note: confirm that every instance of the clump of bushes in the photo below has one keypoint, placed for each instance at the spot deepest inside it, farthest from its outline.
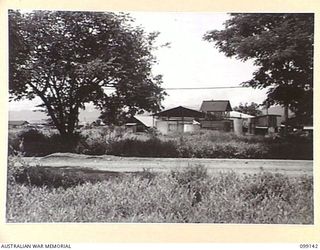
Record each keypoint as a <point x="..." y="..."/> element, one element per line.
<point x="205" y="149"/>
<point x="35" y="143"/>
<point x="96" y="141"/>
<point x="153" y="147"/>
<point x="213" y="144"/>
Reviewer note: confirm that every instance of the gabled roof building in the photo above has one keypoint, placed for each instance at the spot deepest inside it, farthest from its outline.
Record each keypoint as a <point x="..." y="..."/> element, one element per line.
<point x="215" y="106"/>
<point x="217" y="114"/>
<point x="181" y="112"/>
<point x="178" y="119"/>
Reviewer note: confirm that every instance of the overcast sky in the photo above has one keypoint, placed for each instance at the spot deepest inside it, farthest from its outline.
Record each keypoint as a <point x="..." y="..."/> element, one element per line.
<point x="190" y="61"/>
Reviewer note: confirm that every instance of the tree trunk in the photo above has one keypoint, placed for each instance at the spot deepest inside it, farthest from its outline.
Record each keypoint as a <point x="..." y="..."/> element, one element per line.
<point x="286" y="116"/>
<point x="72" y="119"/>
<point x="60" y="128"/>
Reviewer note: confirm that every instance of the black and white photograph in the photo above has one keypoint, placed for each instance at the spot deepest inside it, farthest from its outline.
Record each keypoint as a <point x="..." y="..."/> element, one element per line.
<point x="160" y="117"/>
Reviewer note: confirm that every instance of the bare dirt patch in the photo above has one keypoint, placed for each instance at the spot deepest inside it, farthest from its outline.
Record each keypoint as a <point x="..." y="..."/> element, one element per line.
<point x="135" y="164"/>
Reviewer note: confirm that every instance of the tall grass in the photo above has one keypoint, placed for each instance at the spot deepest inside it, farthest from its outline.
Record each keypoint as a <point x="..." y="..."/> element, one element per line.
<point x="189" y="196"/>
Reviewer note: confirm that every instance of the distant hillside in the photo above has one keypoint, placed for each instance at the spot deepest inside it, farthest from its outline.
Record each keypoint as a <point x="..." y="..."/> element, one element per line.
<point x="92" y="114"/>
<point x="29" y="115"/>
<point x="26" y="115"/>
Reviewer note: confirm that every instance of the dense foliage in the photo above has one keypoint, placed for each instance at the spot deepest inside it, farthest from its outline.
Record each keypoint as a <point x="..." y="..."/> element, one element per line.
<point x="201" y="144"/>
<point x="249" y="109"/>
<point x="68" y="59"/>
<point x="281" y="46"/>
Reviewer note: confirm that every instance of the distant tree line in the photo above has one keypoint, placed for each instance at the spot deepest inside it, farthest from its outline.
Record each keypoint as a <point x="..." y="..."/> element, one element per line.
<point x="249" y="109"/>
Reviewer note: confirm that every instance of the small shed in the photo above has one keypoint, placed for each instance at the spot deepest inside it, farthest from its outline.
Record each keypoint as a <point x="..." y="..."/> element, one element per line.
<point x="178" y="119"/>
<point x="266" y="124"/>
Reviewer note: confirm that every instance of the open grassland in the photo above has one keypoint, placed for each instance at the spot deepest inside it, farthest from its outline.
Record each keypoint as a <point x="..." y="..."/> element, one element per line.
<point x="37" y="194"/>
<point x="200" y="144"/>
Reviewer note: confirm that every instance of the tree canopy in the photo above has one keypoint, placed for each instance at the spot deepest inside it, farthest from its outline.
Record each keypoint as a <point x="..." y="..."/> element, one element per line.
<point x="69" y="59"/>
<point x="249" y="109"/>
<point x="281" y="46"/>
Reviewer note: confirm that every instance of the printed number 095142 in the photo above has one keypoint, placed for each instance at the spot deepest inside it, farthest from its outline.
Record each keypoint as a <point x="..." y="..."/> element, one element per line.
<point x="309" y="246"/>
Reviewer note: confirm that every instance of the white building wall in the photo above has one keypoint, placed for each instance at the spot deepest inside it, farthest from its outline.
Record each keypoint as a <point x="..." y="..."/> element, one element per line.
<point x="162" y="127"/>
<point x="165" y="127"/>
<point x="191" y="127"/>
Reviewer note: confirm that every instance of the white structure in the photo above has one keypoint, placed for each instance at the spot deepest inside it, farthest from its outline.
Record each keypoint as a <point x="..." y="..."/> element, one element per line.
<point x="241" y="122"/>
<point x="179" y="119"/>
<point x="238" y="126"/>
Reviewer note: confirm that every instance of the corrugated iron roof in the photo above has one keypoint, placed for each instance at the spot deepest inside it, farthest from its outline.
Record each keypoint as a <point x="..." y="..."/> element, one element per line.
<point x="145" y="119"/>
<point x="180" y="112"/>
<point x="215" y="105"/>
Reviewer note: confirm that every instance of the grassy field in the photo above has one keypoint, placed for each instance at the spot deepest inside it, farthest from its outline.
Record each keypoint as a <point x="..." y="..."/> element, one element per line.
<point x="190" y="196"/>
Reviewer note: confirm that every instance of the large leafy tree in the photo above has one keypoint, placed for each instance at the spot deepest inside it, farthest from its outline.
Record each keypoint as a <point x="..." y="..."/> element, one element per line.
<point x="281" y="46"/>
<point x="69" y="59"/>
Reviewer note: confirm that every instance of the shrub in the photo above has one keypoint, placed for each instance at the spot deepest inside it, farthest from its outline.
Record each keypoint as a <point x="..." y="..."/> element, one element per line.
<point x="35" y="143"/>
<point x="99" y="141"/>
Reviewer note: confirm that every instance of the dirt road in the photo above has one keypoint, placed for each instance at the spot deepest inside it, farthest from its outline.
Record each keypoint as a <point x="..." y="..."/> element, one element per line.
<point x="134" y="164"/>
